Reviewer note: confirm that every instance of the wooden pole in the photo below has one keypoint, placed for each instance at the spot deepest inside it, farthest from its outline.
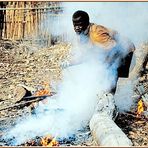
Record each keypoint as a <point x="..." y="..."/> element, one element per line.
<point x="12" y="29"/>
<point x="23" y="20"/>
<point x="8" y="21"/>
<point x="19" y="21"/>
<point x="15" y="34"/>
<point x="5" y="27"/>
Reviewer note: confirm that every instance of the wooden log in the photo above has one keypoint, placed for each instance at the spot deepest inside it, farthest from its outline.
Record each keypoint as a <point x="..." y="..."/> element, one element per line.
<point x="103" y="128"/>
<point x="106" y="132"/>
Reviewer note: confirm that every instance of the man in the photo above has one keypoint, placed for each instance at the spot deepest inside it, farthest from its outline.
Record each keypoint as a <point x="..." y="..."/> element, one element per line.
<point x="106" y="39"/>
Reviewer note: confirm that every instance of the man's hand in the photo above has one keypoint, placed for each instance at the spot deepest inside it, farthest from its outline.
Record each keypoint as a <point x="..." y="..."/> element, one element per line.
<point x="65" y="64"/>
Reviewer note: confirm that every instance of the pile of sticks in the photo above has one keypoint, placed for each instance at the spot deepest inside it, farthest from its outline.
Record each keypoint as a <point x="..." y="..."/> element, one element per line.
<point x="23" y="19"/>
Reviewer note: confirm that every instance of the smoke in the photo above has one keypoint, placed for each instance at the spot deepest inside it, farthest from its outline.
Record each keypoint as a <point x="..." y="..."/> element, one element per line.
<point x="128" y="18"/>
<point x="74" y="104"/>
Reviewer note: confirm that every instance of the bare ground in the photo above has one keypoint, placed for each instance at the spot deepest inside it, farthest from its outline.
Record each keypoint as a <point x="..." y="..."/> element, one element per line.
<point x="21" y="63"/>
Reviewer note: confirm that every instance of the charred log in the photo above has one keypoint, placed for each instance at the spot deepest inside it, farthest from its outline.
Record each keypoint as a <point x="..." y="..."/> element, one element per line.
<point x="27" y="101"/>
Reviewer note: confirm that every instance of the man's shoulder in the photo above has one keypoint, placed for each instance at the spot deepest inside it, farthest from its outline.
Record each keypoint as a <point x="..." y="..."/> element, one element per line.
<point x="102" y="30"/>
<point x="96" y="27"/>
<point x="102" y="36"/>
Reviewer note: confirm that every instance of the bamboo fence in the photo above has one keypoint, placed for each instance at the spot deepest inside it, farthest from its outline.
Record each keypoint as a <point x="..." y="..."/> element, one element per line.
<point x="24" y="20"/>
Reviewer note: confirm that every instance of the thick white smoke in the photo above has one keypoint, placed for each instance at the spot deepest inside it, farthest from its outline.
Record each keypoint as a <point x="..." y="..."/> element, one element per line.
<point x="73" y="106"/>
<point x="128" y="18"/>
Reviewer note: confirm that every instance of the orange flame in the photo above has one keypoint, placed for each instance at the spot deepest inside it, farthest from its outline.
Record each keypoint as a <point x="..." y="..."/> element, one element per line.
<point x="42" y="92"/>
<point x="140" y="108"/>
<point x="45" y="91"/>
<point x="49" y="141"/>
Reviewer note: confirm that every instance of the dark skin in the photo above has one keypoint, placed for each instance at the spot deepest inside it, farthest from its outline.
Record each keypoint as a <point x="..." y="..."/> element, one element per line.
<point x="80" y="25"/>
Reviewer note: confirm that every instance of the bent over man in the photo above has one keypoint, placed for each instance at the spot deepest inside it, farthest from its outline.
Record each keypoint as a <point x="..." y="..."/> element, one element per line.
<point x="106" y="39"/>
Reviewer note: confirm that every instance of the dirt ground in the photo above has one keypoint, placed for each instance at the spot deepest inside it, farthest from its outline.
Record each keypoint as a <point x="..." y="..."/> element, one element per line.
<point x="26" y="65"/>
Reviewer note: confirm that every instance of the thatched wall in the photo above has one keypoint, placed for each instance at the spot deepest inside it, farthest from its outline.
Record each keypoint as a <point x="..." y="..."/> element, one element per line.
<point x="21" y="20"/>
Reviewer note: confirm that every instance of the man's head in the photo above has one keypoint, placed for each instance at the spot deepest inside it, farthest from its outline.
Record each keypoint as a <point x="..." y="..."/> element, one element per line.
<point x="80" y="21"/>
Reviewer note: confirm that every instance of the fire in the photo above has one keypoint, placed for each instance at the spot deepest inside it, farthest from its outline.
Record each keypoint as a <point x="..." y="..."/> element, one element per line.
<point x="42" y="92"/>
<point x="49" y="141"/>
<point x="140" y="108"/>
<point x="45" y="91"/>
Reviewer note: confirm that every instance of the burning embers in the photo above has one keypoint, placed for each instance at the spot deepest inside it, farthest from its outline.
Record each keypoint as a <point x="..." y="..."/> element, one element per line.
<point x="42" y="141"/>
<point x="140" y="108"/>
<point x="49" y="141"/>
<point x="43" y="91"/>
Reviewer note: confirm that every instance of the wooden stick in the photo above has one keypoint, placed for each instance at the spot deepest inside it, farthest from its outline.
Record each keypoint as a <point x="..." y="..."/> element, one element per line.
<point x="23" y="21"/>
<point x="31" y="23"/>
<point x="27" y="102"/>
<point x="12" y="29"/>
<point x="8" y="22"/>
<point x="35" y="17"/>
<point x="19" y="22"/>
<point x="16" y="23"/>
<point x="30" y="8"/>
<point x="106" y="132"/>
<point x="5" y="25"/>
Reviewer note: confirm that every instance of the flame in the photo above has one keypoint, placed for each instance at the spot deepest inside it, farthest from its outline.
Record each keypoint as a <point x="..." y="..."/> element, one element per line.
<point x="30" y="143"/>
<point x="140" y="108"/>
<point x="45" y="91"/>
<point x="49" y="141"/>
<point x="42" y="92"/>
